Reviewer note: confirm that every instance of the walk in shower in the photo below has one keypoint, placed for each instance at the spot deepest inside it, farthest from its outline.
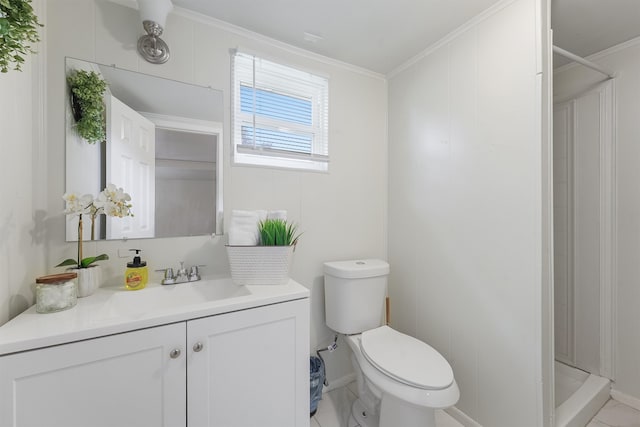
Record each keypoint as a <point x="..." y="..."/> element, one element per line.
<point x="583" y="251"/>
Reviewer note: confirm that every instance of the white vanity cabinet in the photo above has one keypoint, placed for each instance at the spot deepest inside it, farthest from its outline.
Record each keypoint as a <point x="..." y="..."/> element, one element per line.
<point x="121" y="380"/>
<point x="243" y="368"/>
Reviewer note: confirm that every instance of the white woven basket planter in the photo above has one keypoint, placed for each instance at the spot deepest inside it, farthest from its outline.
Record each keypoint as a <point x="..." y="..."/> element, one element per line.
<point x="260" y="265"/>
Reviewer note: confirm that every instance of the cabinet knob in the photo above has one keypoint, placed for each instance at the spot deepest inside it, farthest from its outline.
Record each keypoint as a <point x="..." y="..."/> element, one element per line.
<point x="197" y="347"/>
<point x="175" y="353"/>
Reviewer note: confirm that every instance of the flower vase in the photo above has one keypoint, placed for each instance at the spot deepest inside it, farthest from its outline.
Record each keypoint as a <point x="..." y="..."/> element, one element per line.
<point x="89" y="280"/>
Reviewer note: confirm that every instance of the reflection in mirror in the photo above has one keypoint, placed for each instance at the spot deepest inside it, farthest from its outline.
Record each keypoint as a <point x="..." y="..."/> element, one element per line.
<point x="163" y="147"/>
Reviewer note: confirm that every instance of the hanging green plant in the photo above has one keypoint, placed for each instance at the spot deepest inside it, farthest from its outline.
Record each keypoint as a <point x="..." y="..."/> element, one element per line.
<point x="18" y="27"/>
<point x="87" y="102"/>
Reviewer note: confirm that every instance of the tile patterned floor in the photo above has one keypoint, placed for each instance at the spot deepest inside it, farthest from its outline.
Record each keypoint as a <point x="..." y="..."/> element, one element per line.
<point x="334" y="410"/>
<point x="616" y="414"/>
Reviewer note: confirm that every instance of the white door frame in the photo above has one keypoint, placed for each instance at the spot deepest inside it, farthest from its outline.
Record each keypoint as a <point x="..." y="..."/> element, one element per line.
<point x="184" y="124"/>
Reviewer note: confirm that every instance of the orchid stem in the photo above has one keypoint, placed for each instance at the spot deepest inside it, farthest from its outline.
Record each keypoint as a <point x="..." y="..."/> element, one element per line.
<point x="80" y="241"/>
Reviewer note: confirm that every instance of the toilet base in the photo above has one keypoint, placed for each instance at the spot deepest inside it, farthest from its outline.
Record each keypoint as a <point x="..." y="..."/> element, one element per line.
<point x="393" y="412"/>
<point x="363" y="417"/>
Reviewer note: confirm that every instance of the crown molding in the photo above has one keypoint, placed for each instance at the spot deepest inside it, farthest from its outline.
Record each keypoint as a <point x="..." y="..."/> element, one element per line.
<point x="451" y="36"/>
<point x="243" y="32"/>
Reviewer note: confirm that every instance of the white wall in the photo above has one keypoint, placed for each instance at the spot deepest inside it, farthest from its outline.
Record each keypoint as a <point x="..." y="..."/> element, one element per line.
<point x="624" y="61"/>
<point x="465" y="201"/>
<point x="342" y="213"/>
<point x="22" y="178"/>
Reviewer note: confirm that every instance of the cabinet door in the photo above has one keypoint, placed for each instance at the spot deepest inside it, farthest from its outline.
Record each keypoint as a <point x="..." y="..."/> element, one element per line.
<point x="121" y="380"/>
<point x="252" y="369"/>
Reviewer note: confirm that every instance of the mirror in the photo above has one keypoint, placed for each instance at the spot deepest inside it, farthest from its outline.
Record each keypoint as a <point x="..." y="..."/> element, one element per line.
<point x="163" y="147"/>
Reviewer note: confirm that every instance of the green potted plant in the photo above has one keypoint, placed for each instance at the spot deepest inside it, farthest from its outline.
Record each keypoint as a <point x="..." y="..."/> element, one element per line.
<point x="269" y="262"/>
<point x="277" y="232"/>
<point x="87" y="103"/>
<point x="18" y="28"/>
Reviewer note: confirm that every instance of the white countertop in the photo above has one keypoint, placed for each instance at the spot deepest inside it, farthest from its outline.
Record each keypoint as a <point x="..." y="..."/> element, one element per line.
<point x="116" y="310"/>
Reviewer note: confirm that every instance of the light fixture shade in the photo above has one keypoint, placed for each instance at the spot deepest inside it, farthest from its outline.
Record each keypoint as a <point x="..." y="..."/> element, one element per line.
<point x="155" y="10"/>
<point x="154" y="17"/>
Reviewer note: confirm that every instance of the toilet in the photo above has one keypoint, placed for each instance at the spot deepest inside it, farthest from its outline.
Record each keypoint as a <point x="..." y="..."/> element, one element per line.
<point x="401" y="380"/>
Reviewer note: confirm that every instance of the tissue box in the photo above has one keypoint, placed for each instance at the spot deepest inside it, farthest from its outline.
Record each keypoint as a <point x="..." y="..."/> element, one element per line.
<point x="260" y="265"/>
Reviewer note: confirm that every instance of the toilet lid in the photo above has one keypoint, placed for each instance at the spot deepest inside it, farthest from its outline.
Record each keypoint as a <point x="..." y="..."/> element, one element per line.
<point x="406" y="359"/>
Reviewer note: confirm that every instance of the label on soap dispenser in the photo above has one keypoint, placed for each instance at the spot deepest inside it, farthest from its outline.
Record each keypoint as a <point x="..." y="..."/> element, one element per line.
<point x="133" y="280"/>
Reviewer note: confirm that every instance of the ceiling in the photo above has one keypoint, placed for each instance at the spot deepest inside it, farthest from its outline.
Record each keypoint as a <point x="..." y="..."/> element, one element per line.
<point x="585" y="27"/>
<point x="380" y="35"/>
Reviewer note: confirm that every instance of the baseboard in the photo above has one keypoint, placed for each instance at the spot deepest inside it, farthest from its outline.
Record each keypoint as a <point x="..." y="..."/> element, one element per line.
<point x="634" y="402"/>
<point x="339" y="382"/>
<point x="461" y="417"/>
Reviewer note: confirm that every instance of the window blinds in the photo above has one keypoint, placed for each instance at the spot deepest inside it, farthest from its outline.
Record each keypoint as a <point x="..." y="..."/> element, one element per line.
<point x="279" y="113"/>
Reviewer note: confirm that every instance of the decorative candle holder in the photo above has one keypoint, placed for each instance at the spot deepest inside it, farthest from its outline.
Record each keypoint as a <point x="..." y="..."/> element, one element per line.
<point x="56" y="292"/>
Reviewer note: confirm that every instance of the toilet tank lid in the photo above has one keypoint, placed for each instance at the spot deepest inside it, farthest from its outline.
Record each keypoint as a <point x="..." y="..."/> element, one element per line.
<point x="357" y="269"/>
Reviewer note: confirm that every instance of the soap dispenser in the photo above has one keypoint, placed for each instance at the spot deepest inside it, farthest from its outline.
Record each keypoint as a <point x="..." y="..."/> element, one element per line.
<point x="136" y="275"/>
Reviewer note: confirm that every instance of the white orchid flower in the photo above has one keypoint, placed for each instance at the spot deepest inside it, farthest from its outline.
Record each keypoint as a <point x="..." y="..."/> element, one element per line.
<point x="113" y="201"/>
<point x="77" y="204"/>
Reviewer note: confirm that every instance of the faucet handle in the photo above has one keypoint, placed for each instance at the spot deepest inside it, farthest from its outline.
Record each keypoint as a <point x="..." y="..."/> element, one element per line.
<point x="194" y="274"/>
<point x="168" y="272"/>
<point x="169" y="278"/>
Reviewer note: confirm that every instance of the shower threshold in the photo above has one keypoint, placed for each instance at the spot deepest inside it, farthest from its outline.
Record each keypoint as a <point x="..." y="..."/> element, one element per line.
<point x="583" y="404"/>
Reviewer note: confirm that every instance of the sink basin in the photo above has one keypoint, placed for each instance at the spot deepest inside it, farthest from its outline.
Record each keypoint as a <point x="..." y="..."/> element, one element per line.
<point x="157" y="297"/>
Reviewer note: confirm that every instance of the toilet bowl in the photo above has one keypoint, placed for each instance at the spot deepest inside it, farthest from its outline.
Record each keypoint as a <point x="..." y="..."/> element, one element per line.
<point x="407" y="379"/>
<point x="401" y="380"/>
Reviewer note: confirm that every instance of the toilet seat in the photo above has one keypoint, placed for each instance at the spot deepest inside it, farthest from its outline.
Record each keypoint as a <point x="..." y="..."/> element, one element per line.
<point x="406" y="359"/>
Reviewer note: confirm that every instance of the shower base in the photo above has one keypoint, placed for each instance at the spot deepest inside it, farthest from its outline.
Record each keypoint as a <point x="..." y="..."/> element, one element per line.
<point x="579" y="395"/>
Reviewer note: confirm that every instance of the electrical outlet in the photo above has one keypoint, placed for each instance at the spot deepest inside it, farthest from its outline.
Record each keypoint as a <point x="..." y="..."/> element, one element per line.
<point x="124" y="253"/>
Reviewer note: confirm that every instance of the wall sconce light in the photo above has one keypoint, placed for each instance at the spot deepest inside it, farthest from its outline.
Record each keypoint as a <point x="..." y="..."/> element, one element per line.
<point x="154" y="16"/>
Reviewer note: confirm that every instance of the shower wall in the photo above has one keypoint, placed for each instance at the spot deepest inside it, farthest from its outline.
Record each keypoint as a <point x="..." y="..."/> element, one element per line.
<point x="624" y="61"/>
<point x="582" y="143"/>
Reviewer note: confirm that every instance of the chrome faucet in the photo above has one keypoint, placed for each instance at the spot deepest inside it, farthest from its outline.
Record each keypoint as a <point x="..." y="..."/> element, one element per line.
<point x="182" y="276"/>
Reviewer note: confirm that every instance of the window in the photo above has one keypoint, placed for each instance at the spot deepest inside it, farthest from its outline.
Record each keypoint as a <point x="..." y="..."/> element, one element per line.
<point x="280" y="115"/>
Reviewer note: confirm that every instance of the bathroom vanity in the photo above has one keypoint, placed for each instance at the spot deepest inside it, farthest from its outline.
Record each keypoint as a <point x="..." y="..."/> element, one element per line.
<point x="208" y="353"/>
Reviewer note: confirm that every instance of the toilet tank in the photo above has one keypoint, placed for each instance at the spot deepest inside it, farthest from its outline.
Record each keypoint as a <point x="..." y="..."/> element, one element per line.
<point x="354" y="294"/>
